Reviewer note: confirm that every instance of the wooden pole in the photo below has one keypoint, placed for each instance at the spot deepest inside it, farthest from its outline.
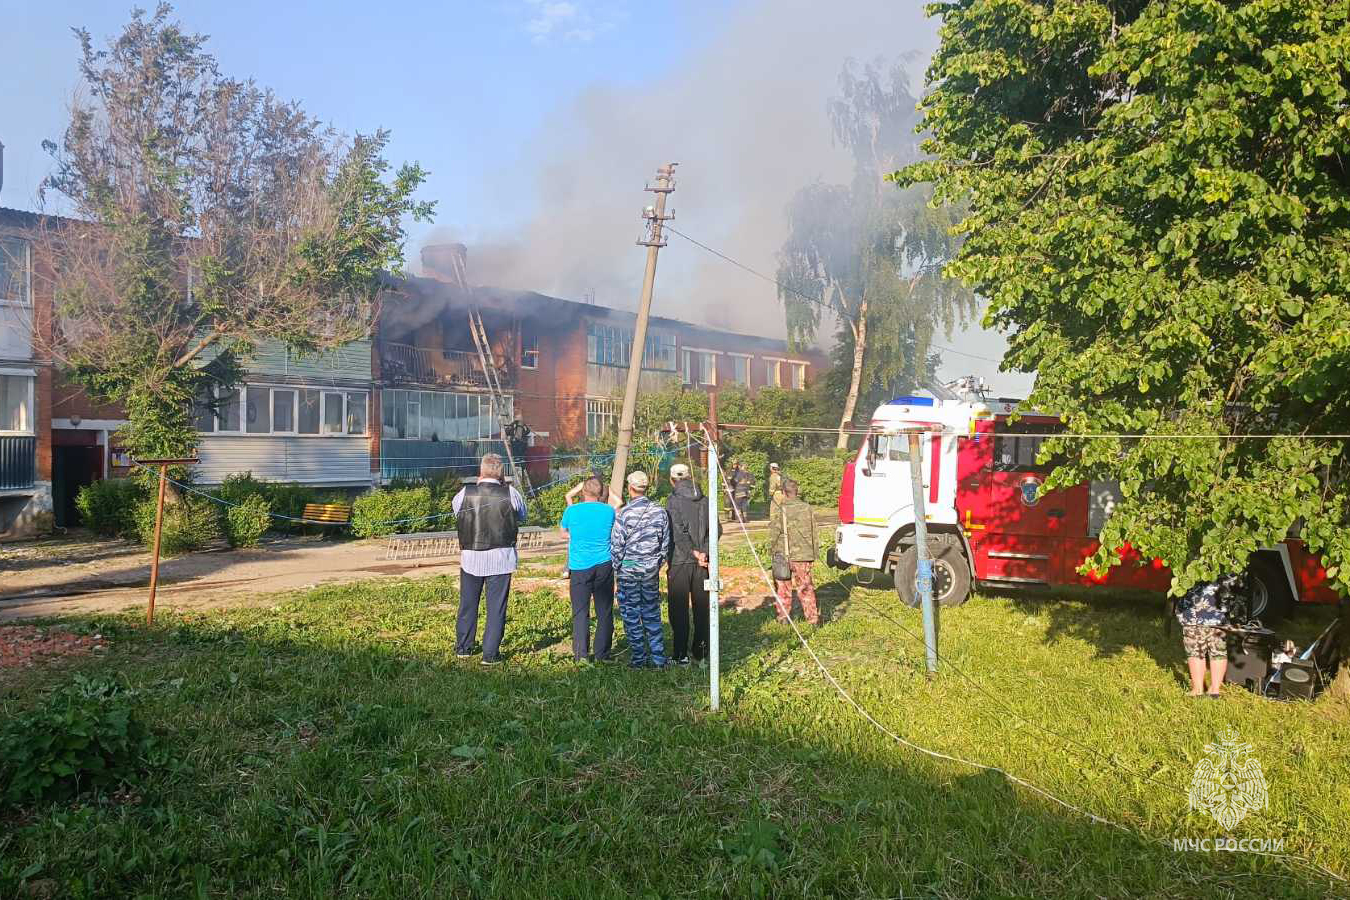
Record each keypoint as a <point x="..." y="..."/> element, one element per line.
<point x="714" y="582"/>
<point x="159" y="528"/>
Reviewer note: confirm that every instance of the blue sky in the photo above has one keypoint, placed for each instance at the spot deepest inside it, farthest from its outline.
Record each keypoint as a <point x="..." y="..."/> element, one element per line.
<point x="540" y="120"/>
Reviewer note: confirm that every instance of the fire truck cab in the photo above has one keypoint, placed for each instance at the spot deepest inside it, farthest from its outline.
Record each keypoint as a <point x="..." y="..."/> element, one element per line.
<point x="989" y="521"/>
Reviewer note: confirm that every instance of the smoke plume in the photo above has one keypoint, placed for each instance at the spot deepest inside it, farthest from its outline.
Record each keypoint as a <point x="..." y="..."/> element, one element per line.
<point x="744" y="116"/>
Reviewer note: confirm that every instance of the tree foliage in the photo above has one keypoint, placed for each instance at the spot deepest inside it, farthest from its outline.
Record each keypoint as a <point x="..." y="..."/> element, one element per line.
<point x="870" y="256"/>
<point x="208" y="214"/>
<point x="1159" y="214"/>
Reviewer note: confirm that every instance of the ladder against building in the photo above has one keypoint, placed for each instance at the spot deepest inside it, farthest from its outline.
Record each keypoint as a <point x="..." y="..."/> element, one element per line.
<point x="504" y="418"/>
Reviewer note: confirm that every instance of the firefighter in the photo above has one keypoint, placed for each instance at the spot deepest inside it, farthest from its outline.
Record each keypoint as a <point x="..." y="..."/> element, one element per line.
<point x="792" y="540"/>
<point x="775" y="484"/>
<point x="742" y="482"/>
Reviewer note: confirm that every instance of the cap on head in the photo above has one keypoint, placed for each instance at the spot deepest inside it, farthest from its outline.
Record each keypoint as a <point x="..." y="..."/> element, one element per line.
<point x="679" y="472"/>
<point x="638" y="480"/>
<point x="773" y="466"/>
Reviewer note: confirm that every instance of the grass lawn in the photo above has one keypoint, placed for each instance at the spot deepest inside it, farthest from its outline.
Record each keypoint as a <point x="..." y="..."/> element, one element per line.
<point x="333" y="745"/>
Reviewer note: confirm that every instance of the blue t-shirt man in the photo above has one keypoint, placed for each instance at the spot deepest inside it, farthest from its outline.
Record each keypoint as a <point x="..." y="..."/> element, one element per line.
<point x="587" y="525"/>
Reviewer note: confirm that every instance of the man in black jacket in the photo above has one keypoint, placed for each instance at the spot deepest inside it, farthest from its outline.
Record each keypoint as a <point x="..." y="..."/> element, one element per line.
<point x="688" y="510"/>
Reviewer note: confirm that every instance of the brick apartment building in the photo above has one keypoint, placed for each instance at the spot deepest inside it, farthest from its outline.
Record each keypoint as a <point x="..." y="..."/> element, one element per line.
<point x="412" y="401"/>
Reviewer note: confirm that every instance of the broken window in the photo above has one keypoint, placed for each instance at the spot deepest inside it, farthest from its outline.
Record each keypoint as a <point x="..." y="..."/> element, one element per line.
<point x="529" y="348"/>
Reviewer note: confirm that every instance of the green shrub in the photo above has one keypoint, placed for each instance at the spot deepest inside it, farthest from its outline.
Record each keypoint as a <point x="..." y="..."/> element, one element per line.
<point x="372" y="510"/>
<point x="190" y="523"/>
<point x="546" y="507"/>
<point x="108" y="507"/>
<point x="288" y="499"/>
<point x="818" y="476"/>
<point x="84" y="735"/>
<point x="245" y="524"/>
<point x="239" y="487"/>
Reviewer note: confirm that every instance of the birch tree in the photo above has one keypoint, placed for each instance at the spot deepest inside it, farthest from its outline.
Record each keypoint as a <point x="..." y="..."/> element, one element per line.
<point x="208" y="214"/>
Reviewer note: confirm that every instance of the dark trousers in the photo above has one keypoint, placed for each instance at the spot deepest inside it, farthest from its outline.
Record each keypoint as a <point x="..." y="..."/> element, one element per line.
<point x="686" y="589"/>
<point x="471" y="587"/>
<point x="597" y="582"/>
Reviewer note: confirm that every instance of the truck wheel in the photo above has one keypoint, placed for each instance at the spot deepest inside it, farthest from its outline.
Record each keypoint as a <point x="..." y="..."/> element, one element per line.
<point x="951" y="574"/>
<point x="1268" y="597"/>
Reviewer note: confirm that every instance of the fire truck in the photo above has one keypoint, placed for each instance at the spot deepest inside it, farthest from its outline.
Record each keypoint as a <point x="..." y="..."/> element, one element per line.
<point x="990" y="523"/>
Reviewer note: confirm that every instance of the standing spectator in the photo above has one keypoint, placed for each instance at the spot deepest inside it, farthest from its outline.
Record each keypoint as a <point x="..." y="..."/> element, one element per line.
<point x="775" y="485"/>
<point x="742" y="482"/>
<point x="688" y="570"/>
<point x="792" y="532"/>
<point x="589" y="572"/>
<point x="638" y="544"/>
<point x="1202" y="612"/>
<point x="488" y="514"/>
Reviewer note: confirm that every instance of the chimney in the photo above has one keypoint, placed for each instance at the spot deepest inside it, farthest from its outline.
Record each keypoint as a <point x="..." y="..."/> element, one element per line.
<point x="446" y="262"/>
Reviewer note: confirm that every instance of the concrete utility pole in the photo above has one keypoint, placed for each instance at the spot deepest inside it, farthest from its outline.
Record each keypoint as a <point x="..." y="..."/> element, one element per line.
<point x="655" y="215"/>
<point x="923" y="576"/>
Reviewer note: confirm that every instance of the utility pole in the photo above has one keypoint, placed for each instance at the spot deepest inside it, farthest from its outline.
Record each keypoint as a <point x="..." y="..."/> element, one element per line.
<point x="655" y="215"/>
<point x="923" y="576"/>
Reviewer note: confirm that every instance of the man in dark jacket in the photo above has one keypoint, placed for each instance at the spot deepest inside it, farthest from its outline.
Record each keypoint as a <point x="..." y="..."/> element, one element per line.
<point x="688" y="509"/>
<point x="487" y="515"/>
<point x="742" y="483"/>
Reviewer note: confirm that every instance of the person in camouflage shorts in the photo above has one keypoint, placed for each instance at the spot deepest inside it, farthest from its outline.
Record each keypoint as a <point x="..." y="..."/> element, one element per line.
<point x="1203" y="614"/>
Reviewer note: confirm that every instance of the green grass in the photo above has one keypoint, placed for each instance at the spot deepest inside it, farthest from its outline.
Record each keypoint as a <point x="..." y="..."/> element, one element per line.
<point x="333" y="745"/>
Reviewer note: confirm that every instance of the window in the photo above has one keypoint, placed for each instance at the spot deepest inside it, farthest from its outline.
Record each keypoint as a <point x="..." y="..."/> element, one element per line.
<point x="203" y="416"/>
<point x="1015" y="449"/>
<point x="529" y="348"/>
<point x="257" y="410"/>
<point x="332" y="413"/>
<point x="439" y="416"/>
<point x="700" y="367"/>
<point x="740" y="370"/>
<point x="611" y="345"/>
<point x="227" y="411"/>
<point x="16" y="403"/>
<point x="601" y="417"/>
<point x="283" y="411"/>
<point x="798" y="376"/>
<point x="356" y="412"/>
<point x="309" y="411"/>
<point x="15" y="277"/>
<point x="771" y="373"/>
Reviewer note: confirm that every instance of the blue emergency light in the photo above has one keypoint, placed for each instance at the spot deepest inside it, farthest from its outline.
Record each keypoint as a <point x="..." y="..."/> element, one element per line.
<point x="912" y="401"/>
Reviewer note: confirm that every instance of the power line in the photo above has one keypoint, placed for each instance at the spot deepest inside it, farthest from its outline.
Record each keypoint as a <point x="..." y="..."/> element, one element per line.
<point x="809" y="299"/>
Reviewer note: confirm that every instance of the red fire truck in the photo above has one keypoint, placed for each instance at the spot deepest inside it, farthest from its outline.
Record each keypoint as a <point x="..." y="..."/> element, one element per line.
<point x="988" y="521"/>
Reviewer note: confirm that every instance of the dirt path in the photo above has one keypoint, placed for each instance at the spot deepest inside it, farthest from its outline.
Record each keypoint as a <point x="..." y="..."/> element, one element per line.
<point x="71" y="576"/>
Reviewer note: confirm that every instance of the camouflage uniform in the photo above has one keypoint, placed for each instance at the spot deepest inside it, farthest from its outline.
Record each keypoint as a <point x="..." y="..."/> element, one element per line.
<point x="639" y="542"/>
<point x="1203" y="615"/>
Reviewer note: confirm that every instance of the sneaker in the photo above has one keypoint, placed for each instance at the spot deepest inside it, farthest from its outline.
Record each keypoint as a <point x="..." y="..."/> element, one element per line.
<point x="463" y="655"/>
<point x="490" y="662"/>
<point x="682" y="661"/>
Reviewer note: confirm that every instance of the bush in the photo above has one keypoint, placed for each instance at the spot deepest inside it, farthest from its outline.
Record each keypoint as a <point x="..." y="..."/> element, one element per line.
<point x="818" y="477"/>
<point x="84" y="735"/>
<point x="108" y="507"/>
<point x="288" y="499"/>
<point x="190" y="523"/>
<point x="546" y="507"/>
<point x="245" y="524"/>
<point x="371" y="511"/>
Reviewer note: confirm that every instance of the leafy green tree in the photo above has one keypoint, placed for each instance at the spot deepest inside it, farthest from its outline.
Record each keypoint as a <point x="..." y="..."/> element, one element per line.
<point x="872" y="257"/>
<point x="1159" y="211"/>
<point x="209" y="214"/>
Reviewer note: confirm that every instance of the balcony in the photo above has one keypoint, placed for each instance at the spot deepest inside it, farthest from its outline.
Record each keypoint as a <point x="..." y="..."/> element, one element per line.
<point x="402" y="364"/>
<point x="18" y="462"/>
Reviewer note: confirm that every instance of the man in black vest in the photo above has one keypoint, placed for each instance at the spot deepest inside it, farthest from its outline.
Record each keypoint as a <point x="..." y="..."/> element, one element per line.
<point x="487" y="514"/>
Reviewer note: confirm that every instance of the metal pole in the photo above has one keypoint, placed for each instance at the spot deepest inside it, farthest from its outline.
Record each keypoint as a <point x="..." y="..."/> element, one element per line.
<point x="654" y="215"/>
<point x="714" y="582"/>
<point x="154" y="561"/>
<point x="923" y="578"/>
